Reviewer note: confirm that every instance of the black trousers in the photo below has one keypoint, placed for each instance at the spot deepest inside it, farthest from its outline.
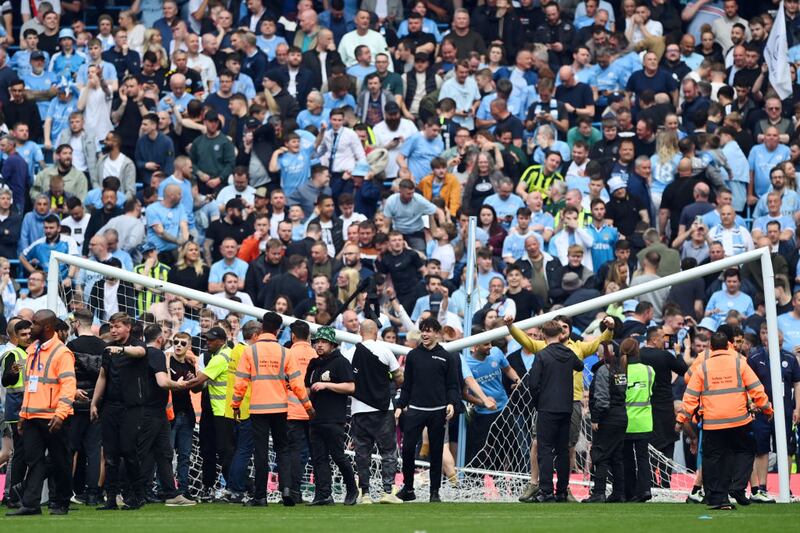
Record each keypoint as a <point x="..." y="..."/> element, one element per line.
<point x="327" y="444"/>
<point x="17" y="469"/>
<point x="225" y="442"/>
<point x="636" y="456"/>
<point x="372" y="430"/>
<point x="663" y="440"/>
<point x="728" y="456"/>
<point x="414" y="422"/>
<point x="155" y="450"/>
<point x="37" y="442"/>
<point x="478" y="446"/>
<point x="86" y="440"/>
<point x="300" y="450"/>
<point x="552" y="433"/>
<point x="120" y="427"/>
<point x="208" y="443"/>
<point x="263" y="426"/>
<point x="607" y="443"/>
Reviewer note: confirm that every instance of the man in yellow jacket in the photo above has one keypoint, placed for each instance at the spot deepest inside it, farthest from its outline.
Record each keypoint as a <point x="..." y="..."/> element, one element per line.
<point x="720" y="392"/>
<point x="266" y="366"/>
<point x="50" y="387"/>
<point x="582" y="349"/>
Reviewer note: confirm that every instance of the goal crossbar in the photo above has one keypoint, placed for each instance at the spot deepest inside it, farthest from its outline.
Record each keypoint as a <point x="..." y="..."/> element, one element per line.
<point x="759" y="254"/>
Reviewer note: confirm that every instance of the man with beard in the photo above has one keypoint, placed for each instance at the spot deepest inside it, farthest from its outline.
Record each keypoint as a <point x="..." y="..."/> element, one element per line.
<point x="74" y="180"/>
<point x="330" y="379"/>
<point x="49" y="380"/>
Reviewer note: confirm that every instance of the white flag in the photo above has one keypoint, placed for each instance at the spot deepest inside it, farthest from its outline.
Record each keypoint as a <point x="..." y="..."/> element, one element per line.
<point x="777" y="57"/>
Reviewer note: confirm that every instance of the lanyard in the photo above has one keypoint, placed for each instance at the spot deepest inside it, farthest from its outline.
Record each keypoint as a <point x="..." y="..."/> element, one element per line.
<point x="35" y="358"/>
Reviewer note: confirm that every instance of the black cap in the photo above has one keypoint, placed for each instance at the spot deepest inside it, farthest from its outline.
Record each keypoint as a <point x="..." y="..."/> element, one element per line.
<point x="252" y="123"/>
<point x="391" y="107"/>
<point x="37" y="55"/>
<point x="216" y="334"/>
<point x="234" y="203"/>
<point x="421" y="56"/>
<point x="276" y="76"/>
<point x="211" y="115"/>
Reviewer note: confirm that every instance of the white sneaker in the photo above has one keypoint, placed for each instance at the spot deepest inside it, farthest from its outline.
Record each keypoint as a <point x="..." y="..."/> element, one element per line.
<point x="761" y="497"/>
<point x="389" y="498"/>
<point x="180" y="501"/>
<point x="697" y="497"/>
<point x="363" y="499"/>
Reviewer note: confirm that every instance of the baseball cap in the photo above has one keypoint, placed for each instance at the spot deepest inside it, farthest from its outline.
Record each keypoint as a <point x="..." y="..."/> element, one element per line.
<point x="216" y="334"/>
<point x="615" y="184"/>
<point x="211" y="115"/>
<point x="362" y="168"/>
<point x="629" y="306"/>
<point x="275" y="75"/>
<point x="146" y="247"/>
<point x="252" y="123"/>
<point x="261" y="192"/>
<point x="37" y="55"/>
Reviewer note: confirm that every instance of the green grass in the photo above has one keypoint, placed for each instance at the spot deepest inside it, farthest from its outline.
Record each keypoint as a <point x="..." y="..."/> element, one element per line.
<point x="410" y="518"/>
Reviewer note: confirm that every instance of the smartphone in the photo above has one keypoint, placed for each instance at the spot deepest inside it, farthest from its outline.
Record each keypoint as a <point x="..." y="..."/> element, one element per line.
<point x="698" y="220"/>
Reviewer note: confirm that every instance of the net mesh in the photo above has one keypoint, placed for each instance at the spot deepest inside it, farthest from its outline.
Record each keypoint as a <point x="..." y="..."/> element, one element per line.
<point x="499" y="471"/>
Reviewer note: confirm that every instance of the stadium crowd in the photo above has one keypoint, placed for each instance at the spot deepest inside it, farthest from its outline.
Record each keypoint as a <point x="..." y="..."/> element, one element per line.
<point x="321" y="160"/>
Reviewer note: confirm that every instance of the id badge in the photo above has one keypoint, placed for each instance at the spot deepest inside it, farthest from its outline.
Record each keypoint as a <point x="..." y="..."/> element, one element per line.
<point x="33" y="383"/>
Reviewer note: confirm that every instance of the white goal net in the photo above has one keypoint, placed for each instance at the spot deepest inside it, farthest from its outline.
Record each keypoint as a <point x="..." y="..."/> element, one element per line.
<point x="499" y="472"/>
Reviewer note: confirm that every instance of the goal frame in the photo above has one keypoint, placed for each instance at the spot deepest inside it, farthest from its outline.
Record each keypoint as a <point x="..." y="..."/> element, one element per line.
<point x="759" y="254"/>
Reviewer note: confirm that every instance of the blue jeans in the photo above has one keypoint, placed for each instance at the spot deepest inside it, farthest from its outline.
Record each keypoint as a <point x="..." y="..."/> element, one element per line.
<point x="241" y="457"/>
<point x="181" y="440"/>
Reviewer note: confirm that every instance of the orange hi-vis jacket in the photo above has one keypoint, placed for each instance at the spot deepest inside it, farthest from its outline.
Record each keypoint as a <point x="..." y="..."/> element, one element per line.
<point x="267" y="366"/>
<point x="720" y="388"/>
<point x="50" y="382"/>
<point x="303" y="353"/>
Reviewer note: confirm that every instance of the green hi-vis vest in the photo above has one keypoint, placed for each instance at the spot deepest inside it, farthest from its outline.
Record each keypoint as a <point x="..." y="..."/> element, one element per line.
<point x="637" y="398"/>
<point x="15" y="392"/>
<point x="217" y="372"/>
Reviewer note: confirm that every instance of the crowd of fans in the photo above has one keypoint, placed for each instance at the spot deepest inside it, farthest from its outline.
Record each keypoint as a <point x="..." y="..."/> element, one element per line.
<point x="322" y="160"/>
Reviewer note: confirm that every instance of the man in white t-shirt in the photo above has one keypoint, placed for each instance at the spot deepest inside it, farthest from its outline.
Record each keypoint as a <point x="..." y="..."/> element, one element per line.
<point x="375" y="368"/>
<point x="644" y="33"/>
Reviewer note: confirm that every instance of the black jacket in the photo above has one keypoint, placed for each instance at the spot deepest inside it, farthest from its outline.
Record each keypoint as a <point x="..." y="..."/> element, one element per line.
<point x="287" y="285"/>
<point x="431" y="378"/>
<point x="664" y="364"/>
<point x="304" y="81"/>
<point x="311" y="62"/>
<point x="607" y="396"/>
<point x="126" y="299"/>
<point x="550" y="378"/>
<point x="88" y="351"/>
<point x="10" y="230"/>
<point x="553" y="272"/>
<point x="253" y="281"/>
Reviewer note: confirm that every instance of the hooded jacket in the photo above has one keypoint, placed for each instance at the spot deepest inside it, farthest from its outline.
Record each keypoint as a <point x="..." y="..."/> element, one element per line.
<point x="550" y="378"/>
<point x="607" y="396"/>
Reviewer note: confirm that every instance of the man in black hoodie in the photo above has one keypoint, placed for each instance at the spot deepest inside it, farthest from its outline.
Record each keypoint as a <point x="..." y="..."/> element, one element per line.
<point x="429" y="395"/>
<point x="550" y="383"/>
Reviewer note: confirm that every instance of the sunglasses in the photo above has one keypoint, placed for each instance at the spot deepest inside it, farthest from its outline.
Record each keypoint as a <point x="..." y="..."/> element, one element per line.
<point x="181" y="343"/>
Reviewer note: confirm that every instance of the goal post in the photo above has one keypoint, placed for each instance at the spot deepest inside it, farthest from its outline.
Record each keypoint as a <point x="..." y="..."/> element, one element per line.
<point x="760" y="254"/>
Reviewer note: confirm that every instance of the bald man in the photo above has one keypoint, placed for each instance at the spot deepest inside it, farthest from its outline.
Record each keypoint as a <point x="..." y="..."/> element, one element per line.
<point x="376" y="369"/>
<point x="577" y="96"/>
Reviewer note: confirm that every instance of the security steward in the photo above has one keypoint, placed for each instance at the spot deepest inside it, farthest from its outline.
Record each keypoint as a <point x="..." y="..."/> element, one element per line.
<point x="13" y="361"/>
<point x="298" y="420"/>
<point x="154" y="439"/>
<point x="720" y="393"/>
<point x="214" y="377"/>
<point x="330" y="379"/>
<point x="267" y="366"/>
<point x="121" y="389"/>
<point x="44" y="418"/>
<point x="635" y="452"/>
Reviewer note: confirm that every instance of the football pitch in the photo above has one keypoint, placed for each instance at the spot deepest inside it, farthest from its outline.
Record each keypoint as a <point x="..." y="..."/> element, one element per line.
<point x="417" y="518"/>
